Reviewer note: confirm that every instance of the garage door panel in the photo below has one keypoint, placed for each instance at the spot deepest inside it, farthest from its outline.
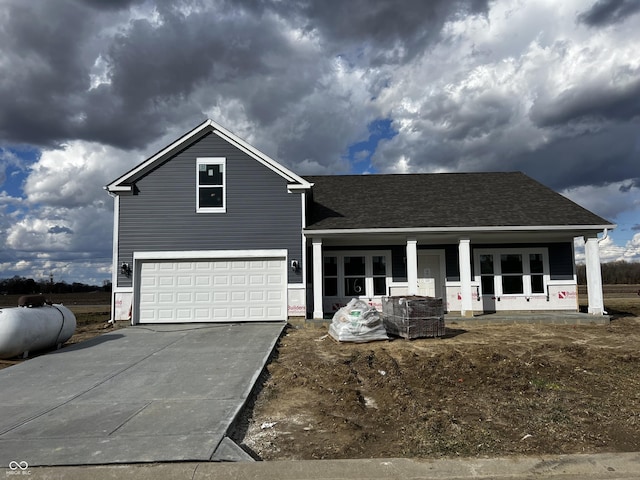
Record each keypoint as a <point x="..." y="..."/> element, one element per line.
<point x="148" y="297"/>
<point x="238" y="280"/>
<point x="256" y="296"/>
<point x="170" y="298"/>
<point x="220" y="297"/>
<point x="221" y="313"/>
<point x="203" y="297"/>
<point x="166" y="281"/>
<point x="212" y="290"/>
<point x="238" y="297"/>
<point x="149" y="281"/>
<point x="203" y="281"/>
<point x="185" y="297"/>
<point x="166" y="314"/>
<point x="274" y="296"/>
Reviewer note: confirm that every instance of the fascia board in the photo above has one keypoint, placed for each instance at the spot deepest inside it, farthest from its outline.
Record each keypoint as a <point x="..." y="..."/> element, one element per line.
<point x="543" y="228"/>
<point x="299" y="188"/>
<point x="120" y="188"/>
<point x="115" y="185"/>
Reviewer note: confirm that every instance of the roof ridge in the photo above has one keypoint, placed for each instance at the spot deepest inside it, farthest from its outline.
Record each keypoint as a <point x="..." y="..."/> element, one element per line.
<point x="413" y="174"/>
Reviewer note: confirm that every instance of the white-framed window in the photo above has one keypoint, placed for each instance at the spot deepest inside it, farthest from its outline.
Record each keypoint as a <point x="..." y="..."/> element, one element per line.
<point x="512" y="271"/>
<point x="356" y="273"/>
<point x="210" y="185"/>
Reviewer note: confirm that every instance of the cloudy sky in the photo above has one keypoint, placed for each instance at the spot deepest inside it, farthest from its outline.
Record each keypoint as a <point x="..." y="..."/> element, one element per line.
<point x="90" y="88"/>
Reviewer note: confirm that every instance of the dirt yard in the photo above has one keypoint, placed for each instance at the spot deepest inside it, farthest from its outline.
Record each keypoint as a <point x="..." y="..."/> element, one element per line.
<point x="481" y="390"/>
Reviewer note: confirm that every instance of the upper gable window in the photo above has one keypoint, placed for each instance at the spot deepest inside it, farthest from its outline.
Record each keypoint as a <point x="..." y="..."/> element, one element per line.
<point x="210" y="185"/>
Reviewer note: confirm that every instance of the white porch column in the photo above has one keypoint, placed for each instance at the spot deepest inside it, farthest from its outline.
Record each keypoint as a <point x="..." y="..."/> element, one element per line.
<point x="594" y="276"/>
<point x="412" y="266"/>
<point x="317" y="278"/>
<point x="464" y="250"/>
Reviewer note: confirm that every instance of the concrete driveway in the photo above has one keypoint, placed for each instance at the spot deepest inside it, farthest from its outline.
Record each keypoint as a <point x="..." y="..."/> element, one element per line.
<point x="139" y="394"/>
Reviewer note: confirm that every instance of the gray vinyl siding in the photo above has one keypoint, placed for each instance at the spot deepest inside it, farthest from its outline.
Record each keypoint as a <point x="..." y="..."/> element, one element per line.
<point x="161" y="214"/>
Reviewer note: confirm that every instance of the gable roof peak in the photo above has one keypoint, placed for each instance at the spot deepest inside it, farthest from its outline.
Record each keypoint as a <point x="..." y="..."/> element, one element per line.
<point x="124" y="182"/>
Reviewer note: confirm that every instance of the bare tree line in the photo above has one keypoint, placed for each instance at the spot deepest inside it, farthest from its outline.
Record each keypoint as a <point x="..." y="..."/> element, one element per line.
<point x="614" y="273"/>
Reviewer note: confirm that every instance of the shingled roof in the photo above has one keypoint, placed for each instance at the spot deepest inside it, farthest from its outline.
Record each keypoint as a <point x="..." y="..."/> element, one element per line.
<point x="449" y="200"/>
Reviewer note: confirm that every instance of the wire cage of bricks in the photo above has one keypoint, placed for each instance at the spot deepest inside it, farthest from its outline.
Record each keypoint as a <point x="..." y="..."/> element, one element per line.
<point x="413" y="316"/>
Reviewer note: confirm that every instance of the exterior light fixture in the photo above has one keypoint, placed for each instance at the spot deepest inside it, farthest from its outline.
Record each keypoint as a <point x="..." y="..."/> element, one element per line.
<point x="125" y="269"/>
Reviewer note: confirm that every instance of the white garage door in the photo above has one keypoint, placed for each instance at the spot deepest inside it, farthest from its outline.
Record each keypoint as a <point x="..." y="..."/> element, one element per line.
<point x="216" y="290"/>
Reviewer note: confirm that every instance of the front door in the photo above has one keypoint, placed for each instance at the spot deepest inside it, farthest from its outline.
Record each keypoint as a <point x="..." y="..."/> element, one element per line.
<point x="430" y="279"/>
<point x="487" y="283"/>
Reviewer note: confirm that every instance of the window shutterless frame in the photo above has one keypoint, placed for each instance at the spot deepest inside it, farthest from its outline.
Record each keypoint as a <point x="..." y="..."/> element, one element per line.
<point x="356" y="273"/>
<point x="512" y="271"/>
<point x="211" y="185"/>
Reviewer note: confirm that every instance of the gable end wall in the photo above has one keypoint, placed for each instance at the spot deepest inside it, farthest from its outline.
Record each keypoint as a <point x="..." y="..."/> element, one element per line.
<point x="161" y="215"/>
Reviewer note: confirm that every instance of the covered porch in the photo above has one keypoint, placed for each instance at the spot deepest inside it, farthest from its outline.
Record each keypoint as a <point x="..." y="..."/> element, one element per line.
<point x="482" y="274"/>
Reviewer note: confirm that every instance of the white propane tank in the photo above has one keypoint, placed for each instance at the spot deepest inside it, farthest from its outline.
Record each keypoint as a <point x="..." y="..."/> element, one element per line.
<point x="25" y="329"/>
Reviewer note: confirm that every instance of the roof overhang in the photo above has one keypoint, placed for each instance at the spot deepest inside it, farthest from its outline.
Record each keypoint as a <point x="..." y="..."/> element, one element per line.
<point x="445" y="234"/>
<point x="124" y="183"/>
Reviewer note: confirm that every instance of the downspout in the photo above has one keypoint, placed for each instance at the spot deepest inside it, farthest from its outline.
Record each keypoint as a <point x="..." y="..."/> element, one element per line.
<point x="605" y="234"/>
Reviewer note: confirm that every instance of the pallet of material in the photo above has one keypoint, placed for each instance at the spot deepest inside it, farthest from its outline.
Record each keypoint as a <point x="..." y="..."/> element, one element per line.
<point x="413" y="316"/>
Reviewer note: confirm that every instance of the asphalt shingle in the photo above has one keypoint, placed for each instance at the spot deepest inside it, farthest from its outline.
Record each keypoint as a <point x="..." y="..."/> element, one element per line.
<point x="440" y="200"/>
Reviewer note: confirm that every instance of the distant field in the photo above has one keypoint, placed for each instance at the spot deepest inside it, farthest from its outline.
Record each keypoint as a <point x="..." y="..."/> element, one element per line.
<point x="615" y="291"/>
<point x="68" y="299"/>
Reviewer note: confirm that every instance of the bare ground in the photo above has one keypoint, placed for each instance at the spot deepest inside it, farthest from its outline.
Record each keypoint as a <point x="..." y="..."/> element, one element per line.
<point x="481" y="390"/>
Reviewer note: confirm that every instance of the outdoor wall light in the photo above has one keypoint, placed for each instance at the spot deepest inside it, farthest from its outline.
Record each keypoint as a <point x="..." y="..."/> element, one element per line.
<point x="125" y="269"/>
<point x="295" y="265"/>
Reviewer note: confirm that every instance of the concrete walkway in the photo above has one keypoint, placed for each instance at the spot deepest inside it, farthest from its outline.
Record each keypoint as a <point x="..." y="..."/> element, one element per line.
<point x="559" y="467"/>
<point x="157" y="394"/>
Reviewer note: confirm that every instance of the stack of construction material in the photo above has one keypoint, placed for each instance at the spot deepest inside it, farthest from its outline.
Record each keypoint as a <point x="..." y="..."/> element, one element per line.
<point x="357" y="322"/>
<point x="413" y="316"/>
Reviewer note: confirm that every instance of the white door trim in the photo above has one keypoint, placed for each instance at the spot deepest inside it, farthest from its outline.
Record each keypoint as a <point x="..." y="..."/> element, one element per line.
<point x="208" y="254"/>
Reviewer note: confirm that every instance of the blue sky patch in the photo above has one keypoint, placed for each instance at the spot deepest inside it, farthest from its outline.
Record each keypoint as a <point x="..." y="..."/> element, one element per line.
<point x="359" y="154"/>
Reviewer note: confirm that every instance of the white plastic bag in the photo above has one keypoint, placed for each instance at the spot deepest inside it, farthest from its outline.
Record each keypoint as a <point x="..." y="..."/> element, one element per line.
<point x="357" y="322"/>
